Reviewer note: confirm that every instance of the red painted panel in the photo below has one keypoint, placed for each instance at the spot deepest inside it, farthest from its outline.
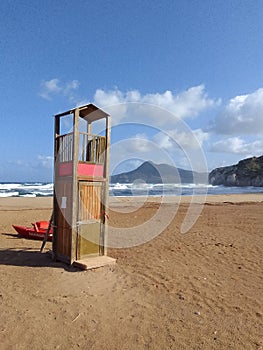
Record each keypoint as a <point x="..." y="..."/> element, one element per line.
<point x="90" y="169"/>
<point x="84" y="169"/>
<point x="65" y="169"/>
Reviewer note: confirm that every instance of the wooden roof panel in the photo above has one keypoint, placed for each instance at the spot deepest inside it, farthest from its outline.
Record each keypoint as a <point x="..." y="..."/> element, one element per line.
<point x="89" y="112"/>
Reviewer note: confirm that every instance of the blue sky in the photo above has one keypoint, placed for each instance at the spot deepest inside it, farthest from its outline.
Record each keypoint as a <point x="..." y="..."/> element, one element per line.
<point x="199" y="61"/>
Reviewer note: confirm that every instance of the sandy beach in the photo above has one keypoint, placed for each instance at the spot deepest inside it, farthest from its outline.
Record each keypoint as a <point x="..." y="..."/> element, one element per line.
<point x="198" y="290"/>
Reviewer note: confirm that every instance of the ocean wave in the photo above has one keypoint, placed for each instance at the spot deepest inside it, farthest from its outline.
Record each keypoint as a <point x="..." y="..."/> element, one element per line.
<point x="40" y="189"/>
<point x="9" y="194"/>
<point x="9" y="186"/>
<point x="31" y="195"/>
<point x="27" y="189"/>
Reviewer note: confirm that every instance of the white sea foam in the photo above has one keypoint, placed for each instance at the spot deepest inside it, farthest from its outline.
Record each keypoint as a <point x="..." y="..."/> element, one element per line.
<point x="9" y="194"/>
<point x="128" y="189"/>
<point x="26" y="189"/>
<point x="9" y="186"/>
<point x="28" y="195"/>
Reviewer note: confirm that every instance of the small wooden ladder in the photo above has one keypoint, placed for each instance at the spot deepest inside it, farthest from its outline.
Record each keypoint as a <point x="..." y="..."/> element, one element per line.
<point x="47" y="233"/>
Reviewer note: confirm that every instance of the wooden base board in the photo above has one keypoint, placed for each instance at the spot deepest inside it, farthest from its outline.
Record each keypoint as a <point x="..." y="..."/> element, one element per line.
<point x="94" y="262"/>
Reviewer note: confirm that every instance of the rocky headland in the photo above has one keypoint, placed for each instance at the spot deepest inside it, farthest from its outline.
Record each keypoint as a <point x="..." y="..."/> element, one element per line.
<point x="248" y="172"/>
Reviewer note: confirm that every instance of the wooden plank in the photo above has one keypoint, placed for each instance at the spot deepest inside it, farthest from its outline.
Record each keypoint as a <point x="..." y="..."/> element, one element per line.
<point x="67" y="155"/>
<point x="75" y="186"/>
<point x="47" y="233"/>
<point x="92" y="158"/>
<point x="64" y="189"/>
<point x="102" y="150"/>
<point x="55" y="204"/>
<point x="71" y="146"/>
<point x="89" y="128"/>
<point x="102" y="215"/>
<point x="55" y="228"/>
<point x="106" y="188"/>
<point x="91" y="178"/>
<point x="94" y="262"/>
<point x="63" y="223"/>
<point x="90" y="112"/>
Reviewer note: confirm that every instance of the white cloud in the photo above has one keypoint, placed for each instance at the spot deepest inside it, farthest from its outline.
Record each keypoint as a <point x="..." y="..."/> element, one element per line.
<point x="72" y="85"/>
<point x="164" y="141"/>
<point x="162" y="148"/>
<point x="40" y="162"/>
<point x="70" y="88"/>
<point x="188" y="103"/>
<point x="201" y="135"/>
<point x="163" y="110"/>
<point x="169" y="141"/>
<point x="127" y="165"/>
<point x="237" y="145"/>
<point x="108" y="98"/>
<point x="139" y="143"/>
<point x="45" y="161"/>
<point x="243" y="115"/>
<point x="139" y="147"/>
<point x="36" y="169"/>
<point x="50" y="88"/>
<point x="134" y="146"/>
<point x="186" y="139"/>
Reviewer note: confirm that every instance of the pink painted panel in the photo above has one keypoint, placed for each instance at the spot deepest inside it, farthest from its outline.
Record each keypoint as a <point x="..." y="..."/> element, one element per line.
<point x="85" y="169"/>
<point x="90" y="169"/>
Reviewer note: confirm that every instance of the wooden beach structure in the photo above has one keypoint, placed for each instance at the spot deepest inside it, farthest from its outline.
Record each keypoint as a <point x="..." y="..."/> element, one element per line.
<point x="81" y="186"/>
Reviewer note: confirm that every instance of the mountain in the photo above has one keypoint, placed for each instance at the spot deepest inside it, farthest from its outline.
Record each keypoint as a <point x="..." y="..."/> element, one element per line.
<point x="248" y="172"/>
<point x="159" y="173"/>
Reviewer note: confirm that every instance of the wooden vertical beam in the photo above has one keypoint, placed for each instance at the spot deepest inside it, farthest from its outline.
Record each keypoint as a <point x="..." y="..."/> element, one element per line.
<point x="74" y="203"/>
<point x="55" y="181"/>
<point x="106" y="187"/>
<point x="88" y="150"/>
<point x="89" y="128"/>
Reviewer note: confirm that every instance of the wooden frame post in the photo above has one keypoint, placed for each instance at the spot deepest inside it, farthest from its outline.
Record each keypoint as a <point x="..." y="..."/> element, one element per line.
<point x="75" y="186"/>
<point x="55" y="203"/>
<point x="106" y="190"/>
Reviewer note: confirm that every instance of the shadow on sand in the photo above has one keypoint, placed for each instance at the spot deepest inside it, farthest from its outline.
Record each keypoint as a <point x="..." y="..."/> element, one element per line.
<point x="30" y="257"/>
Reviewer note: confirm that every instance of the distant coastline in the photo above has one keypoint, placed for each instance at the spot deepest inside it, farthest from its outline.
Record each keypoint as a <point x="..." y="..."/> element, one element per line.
<point x="151" y="179"/>
<point x="32" y="190"/>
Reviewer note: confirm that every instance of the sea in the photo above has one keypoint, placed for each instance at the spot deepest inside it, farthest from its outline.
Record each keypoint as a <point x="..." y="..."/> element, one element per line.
<point x="43" y="189"/>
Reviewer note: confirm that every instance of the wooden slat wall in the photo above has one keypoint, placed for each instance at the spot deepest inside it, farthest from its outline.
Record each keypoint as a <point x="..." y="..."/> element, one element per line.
<point x="90" y="201"/>
<point x="102" y="148"/>
<point x="91" y="148"/>
<point x="65" y="147"/>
